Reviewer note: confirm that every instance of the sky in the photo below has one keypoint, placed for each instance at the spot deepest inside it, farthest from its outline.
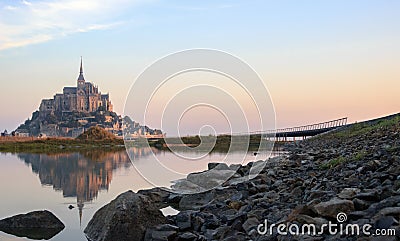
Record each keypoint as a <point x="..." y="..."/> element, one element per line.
<point x="320" y="60"/>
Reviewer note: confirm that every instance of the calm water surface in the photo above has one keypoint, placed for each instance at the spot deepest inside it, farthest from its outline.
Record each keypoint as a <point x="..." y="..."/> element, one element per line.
<point x="86" y="180"/>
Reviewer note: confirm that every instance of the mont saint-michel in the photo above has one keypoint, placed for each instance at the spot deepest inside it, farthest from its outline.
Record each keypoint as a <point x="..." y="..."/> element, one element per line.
<point x="85" y="97"/>
<point x="77" y="108"/>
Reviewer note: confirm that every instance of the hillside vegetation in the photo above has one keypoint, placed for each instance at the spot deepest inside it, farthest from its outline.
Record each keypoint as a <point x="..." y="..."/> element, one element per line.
<point x="96" y="133"/>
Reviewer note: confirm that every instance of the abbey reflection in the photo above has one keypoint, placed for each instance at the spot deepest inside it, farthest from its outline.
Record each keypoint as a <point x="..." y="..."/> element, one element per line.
<point x="81" y="175"/>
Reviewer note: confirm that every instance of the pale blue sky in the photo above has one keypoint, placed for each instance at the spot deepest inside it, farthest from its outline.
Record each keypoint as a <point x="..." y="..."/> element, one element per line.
<point x="320" y="59"/>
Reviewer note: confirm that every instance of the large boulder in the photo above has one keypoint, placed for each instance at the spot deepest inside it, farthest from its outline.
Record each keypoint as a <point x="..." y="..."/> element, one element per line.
<point x="125" y="218"/>
<point x="33" y="225"/>
<point x="204" y="181"/>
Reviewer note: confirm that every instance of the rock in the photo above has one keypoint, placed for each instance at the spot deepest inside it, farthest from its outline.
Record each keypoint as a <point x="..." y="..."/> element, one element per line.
<point x="237" y="196"/>
<point x="220" y="232"/>
<point x="389" y="211"/>
<point x="316" y="194"/>
<point x="272" y="196"/>
<point x="348" y="193"/>
<point x="187" y="236"/>
<point x="211" y="221"/>
<point x="251" y="223"/>
<point x="297" y="191"/>
<point x="183" y="220"/>
<point x="305" y="219"/>
<point x="204" y="181"/>
<point x="271" y="173"/>
<point x="125" y="218"/>
<point x="163" y="232"/>
<point x="197" y="223"/>
<point x="212" y="178"/>
<point x="219" y="166"/>
<point x="195" y="201"/>
<point x="158" y="196"/>
<point x="174" y="198"/>
<point x="360" y="204"/>
<point x="385" y="222"/>
<point x="33" y="225"/>
<point x="334" y="206"/>
<point x="235" y="205"/>
<point x="370" y="195"/>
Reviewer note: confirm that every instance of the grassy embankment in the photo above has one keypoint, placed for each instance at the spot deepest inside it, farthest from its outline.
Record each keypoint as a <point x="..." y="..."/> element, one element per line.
<point x="36" y="145"/>
<point x="93" y="138"/>
<point x="354" y="135"/>
<point x="221" y="143"/>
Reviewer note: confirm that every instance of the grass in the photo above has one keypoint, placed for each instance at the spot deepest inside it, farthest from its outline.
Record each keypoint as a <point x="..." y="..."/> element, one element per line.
<point x="341" y="159"/>
<point x="220" y="143"/>
<point x="366" y="130"/>
<point x="363" y="128"/>
<point x="334" y="162"/>
<point x="47" y="145"/>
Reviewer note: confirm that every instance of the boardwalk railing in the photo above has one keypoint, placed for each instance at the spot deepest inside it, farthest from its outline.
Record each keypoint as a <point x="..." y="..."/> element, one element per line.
<point x="306" y="130"/>
<point x="299" y="131"/>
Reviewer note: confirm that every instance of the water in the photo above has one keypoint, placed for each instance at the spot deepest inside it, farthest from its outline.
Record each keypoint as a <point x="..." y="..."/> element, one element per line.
<point x="86" y="180"/>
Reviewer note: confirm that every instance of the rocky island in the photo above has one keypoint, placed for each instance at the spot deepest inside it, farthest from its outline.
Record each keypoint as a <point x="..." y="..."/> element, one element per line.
<point x="76" y="109"/>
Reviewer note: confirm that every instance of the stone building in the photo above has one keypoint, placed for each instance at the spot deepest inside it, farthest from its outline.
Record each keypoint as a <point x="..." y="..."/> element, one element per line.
<point x="85" y="97"/>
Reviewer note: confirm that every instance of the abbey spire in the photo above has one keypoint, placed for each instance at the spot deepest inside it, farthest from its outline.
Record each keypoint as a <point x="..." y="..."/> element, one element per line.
<point x="81" y="78"/>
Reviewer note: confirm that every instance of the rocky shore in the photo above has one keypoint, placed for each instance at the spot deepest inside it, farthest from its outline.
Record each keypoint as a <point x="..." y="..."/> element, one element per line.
<point x="353" y="172"/>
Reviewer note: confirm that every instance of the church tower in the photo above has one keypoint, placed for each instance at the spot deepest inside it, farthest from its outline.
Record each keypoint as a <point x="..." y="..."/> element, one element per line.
<point x="81" y="100"/>
<point x="81" y="79"/>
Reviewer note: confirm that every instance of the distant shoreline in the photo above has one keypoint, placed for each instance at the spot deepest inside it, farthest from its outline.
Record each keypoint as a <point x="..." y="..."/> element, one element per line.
<point x="56" y="144"/>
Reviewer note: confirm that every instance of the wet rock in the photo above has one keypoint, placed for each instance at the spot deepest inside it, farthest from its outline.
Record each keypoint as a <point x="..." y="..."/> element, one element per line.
<point x="125" y="218"/>
<point x="204" y="181"/>
<point x="33" y="225"/>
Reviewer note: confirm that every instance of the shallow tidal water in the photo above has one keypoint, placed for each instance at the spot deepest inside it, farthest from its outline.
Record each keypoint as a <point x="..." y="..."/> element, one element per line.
<point x="86" y="180"/>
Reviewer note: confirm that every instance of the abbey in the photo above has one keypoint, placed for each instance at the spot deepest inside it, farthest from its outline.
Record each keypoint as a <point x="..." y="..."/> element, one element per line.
<point x="85" y="97"/>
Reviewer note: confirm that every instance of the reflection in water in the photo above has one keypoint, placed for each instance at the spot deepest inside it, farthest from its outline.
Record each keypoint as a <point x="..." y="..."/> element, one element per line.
<point x="81" y="175"/>
<point x="84" y="174"/>
<point x="33" y="233"/>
